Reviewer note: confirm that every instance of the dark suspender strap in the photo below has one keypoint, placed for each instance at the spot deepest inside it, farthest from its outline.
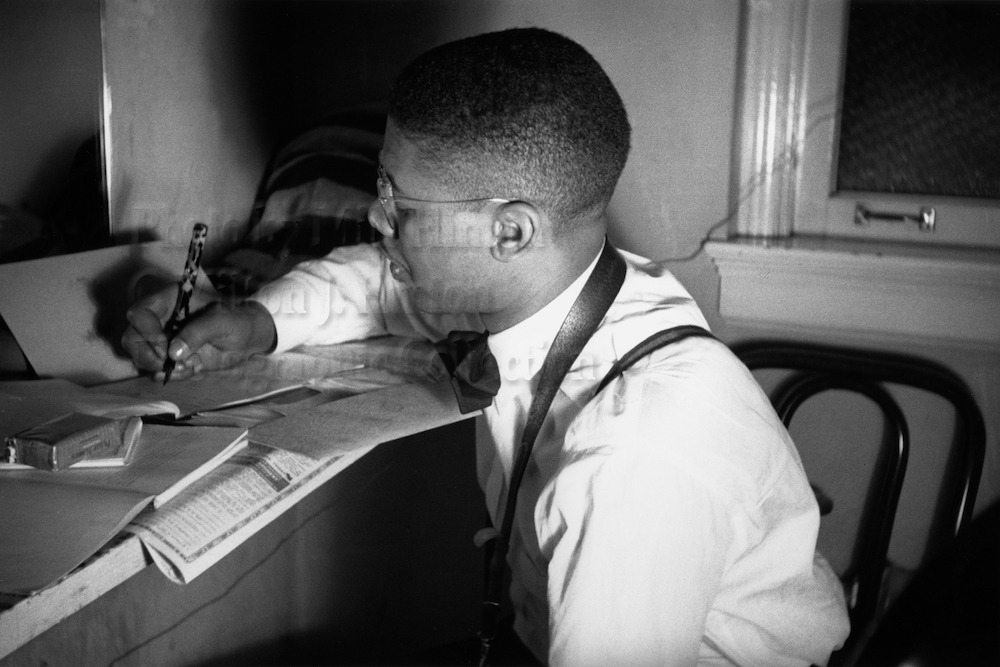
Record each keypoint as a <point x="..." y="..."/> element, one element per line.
<point x="654" y="342"/>
<point x="581" y="322"/>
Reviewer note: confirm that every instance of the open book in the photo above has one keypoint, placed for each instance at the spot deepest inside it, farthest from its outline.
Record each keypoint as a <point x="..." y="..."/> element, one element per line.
<point x="53" y="521"/>
<point x="254" y="483"/>
<point x="286" y="460"/>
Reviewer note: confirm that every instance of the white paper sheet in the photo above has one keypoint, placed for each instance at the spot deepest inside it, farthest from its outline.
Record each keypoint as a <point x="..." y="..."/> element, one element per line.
<point x="68" y="312"/>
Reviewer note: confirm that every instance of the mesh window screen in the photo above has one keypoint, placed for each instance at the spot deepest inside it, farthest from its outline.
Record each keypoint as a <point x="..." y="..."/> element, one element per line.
<point x="921" y="108"/>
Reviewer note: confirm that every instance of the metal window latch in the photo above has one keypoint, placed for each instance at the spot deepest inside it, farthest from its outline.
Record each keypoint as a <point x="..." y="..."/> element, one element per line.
<point x="925" y="219"/>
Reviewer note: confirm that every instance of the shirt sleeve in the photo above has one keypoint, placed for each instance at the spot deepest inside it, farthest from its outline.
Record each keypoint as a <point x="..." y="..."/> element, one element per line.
<point x="638" y="548"/>
<point x="348" y="295"/>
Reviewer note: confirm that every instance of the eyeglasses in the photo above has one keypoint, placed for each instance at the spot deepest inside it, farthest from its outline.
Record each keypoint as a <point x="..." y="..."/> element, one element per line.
<point x="388" y="201"/>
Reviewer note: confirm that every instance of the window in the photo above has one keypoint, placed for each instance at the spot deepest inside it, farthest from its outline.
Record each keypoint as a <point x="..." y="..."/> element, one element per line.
<point x="921" y="103"/>
<point x="943" y="76"/>
<point x="794" y="256"/>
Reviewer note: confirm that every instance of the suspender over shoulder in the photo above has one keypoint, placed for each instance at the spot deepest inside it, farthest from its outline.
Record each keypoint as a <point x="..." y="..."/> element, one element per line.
<point x="583" y="319"/>
<point x="651" y="344"/>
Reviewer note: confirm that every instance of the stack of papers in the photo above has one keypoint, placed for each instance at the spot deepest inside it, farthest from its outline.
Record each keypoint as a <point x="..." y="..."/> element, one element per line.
<point x="52" y="522"/>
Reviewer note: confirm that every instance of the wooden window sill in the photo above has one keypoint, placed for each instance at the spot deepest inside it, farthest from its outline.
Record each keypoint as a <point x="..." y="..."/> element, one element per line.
<point x="861" y="287"/>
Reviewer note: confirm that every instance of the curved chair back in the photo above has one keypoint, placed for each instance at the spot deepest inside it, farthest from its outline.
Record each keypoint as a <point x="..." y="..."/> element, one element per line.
<point x="818" y="368"/>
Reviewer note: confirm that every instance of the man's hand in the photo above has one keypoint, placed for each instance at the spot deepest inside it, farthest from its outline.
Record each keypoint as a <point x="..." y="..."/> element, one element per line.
<point x="216" y="336"/>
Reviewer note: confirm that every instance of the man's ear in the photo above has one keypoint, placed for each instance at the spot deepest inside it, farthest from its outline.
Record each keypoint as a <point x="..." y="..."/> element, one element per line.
<point x="515" y="227"/>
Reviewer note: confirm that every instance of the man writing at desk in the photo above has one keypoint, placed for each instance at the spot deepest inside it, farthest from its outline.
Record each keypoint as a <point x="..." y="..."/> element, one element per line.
<point x="666" y="520"/>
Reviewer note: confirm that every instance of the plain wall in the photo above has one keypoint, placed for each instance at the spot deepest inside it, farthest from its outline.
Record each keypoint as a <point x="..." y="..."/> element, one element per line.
<point x="50" y="93"/>
<point x="188" y="142"/>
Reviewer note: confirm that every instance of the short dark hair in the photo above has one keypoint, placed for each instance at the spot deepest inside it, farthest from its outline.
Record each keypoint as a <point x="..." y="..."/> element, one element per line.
<point x="523" y="114"/>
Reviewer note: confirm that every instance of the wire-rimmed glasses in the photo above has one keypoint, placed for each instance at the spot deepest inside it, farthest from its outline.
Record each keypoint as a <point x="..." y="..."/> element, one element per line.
<point x="388" y="202"/>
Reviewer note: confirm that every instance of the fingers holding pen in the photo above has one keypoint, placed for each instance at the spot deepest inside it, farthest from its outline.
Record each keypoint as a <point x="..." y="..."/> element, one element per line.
<point x="219" y="335"/>
<point x="144" y="339"/>
<point x="190" y="348"/>
<point x="186" y="349"/>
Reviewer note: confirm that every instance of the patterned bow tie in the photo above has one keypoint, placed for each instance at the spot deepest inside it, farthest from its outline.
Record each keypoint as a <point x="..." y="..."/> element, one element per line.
<point x="475" y="376"/>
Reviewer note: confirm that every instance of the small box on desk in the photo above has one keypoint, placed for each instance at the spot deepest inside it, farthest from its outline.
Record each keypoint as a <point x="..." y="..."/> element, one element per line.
<point x="75" y="439"/>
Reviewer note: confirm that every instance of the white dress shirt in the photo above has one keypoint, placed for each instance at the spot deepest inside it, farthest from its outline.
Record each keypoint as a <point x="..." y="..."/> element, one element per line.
<point x="666" y="522"/>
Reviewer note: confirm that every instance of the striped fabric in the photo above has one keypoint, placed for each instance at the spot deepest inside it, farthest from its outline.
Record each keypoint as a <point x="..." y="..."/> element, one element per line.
<point x="316" y="193"/>
<point x="314" y="197"/>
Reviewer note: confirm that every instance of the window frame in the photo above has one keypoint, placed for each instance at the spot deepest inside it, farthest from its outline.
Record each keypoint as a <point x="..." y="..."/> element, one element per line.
<point x="792" y="258"/>
<point x="823" y="211"/>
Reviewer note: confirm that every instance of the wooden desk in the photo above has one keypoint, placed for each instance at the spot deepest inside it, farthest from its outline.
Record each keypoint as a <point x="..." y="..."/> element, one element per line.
<point x="377" y="560"/>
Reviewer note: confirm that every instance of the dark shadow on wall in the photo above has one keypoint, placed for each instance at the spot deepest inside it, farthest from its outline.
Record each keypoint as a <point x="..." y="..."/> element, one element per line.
<point x="304" y="59"/>
<point x="71" y="212"/>
<point x="316" y="76"/>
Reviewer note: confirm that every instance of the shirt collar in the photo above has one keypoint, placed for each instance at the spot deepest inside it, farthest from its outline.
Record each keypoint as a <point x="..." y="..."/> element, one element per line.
<point x="521" y="349"/>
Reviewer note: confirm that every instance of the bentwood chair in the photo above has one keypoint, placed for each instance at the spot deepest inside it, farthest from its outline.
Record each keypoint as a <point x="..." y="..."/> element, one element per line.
<point x="816" y="369"/>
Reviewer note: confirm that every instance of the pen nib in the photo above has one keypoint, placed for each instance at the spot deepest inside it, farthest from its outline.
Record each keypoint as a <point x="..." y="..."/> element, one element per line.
<point x="168" y="369"/>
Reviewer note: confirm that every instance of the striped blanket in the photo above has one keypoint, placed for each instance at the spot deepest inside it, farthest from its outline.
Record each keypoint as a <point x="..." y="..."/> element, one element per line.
<point x="313" y="198"/>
